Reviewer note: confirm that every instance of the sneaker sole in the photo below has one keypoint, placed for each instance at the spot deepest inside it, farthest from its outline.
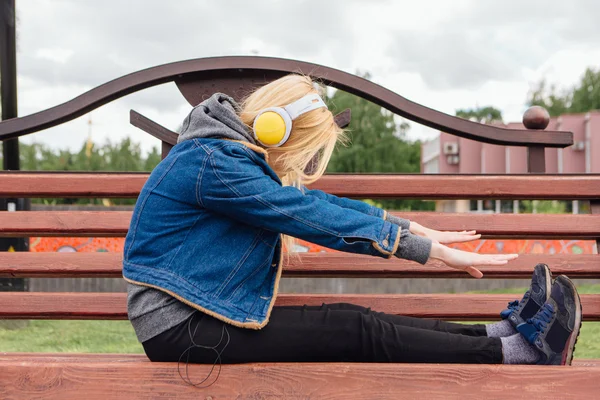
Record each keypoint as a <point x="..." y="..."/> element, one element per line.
<point x="568" y="359"/>
<point x="548" y="281"/>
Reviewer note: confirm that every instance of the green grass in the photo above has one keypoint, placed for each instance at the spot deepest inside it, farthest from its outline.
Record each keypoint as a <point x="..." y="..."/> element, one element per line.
<point x="118" y="336"/>
<point x="72" y="337"/>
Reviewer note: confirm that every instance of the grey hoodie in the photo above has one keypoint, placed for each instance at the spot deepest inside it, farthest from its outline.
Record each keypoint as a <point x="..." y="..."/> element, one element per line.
<point x="153" y="312"/>
<point x="215" y="118"/>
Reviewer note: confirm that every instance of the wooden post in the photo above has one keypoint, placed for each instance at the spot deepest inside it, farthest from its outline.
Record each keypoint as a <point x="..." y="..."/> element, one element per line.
<point x="536" y="159"/>
<point x="165" y="148"/>
<point x="536" y="117"/>
<point x="10" y="147"/>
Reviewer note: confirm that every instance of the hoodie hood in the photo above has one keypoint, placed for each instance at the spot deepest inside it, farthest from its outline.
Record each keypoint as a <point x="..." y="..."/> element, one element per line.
<point x="215" y="118"/>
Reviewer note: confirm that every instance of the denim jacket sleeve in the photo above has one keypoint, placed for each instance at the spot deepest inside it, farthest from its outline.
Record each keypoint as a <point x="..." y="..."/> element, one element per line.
<point x="346" y="203"/>
<point x="358" y="206"/>
<point x="237" y="183"/>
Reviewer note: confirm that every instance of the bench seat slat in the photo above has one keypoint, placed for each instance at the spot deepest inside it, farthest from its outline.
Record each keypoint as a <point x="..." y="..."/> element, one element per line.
<point x="125" y="185"/>
<point x="116" y="223"/>
<point x="103" y="265"/>
<point x="465" y="307"/>
<point x="111" y="376"/>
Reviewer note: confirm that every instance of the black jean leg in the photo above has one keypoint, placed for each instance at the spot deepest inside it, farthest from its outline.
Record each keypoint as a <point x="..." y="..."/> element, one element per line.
<point x="314" y="335"/>
<point x="421" y="323"/>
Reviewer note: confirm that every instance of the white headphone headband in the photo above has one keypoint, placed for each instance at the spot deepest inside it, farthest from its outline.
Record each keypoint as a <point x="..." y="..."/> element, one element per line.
<point x="305" y="104"/>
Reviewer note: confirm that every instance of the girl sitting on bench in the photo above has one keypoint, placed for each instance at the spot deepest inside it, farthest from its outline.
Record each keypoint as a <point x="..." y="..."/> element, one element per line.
<point x="204" y="249"/>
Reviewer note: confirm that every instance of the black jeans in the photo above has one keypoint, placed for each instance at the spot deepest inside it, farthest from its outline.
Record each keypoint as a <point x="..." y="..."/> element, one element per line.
<point x="331" y="332"/>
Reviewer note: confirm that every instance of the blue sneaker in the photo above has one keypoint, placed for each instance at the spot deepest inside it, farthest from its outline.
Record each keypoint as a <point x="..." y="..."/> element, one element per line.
<point x="539" y="292"/>
<point x="554" y="330"/>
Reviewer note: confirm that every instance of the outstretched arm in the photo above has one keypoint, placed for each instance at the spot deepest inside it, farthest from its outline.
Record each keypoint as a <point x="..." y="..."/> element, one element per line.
<point x="358" y="205"/>
<point x="443" y="237"/>
<point x="466" y="261"/>
<point x="412" y="226"/>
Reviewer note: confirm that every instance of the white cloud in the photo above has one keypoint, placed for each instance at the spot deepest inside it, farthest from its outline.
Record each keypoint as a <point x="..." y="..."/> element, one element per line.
<point x="56" y="54"/>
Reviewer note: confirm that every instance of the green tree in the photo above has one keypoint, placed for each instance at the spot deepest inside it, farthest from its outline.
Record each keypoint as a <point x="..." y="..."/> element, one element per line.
<point x="586" y="96"/>
<point x="123" y="156"/>
<point x="152" y="159"/>
<point x="484" y="115"/>
<point x="556" y="103"/>
<point x="378" y="144"/>
<point x="543" y="206"/>
<point x="583" y="97"/>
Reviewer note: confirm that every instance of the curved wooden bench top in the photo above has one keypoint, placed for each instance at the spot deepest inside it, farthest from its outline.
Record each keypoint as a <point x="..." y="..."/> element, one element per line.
<point x="236" y="75"/>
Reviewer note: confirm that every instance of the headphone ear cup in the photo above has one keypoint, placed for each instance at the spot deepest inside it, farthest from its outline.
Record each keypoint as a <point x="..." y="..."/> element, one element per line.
<point x="272" y="127"/>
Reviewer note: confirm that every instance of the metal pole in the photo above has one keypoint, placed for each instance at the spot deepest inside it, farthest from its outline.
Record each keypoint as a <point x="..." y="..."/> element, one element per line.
<point x="10" y="148"/>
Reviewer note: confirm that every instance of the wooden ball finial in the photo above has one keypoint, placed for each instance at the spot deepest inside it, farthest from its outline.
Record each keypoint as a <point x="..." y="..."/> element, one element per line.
<point x="536" y="117"/>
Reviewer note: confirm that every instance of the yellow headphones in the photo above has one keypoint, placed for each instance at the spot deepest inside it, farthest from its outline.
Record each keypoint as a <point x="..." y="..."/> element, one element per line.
<point x="272" y="126"/>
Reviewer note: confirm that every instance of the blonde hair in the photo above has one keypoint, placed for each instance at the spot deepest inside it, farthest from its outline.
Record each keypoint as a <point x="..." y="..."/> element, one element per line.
<point x="312" y="139"/>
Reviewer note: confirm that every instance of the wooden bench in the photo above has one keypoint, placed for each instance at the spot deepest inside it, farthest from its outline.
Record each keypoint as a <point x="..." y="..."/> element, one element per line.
<point x="73" y="376"/>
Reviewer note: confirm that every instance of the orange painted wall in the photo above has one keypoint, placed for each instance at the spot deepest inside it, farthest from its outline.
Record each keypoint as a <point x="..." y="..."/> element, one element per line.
<point x="53" y="244"/>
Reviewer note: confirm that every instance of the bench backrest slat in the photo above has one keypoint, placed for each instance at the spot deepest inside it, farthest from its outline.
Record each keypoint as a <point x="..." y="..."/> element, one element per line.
<point x="116" y="224"/>
<point x="109" y="265"/>
<point x="463" y="307"/>
<point x="126" y="185"/>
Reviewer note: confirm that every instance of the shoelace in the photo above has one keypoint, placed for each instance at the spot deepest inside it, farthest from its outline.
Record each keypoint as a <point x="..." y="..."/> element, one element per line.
<point x="514" y="305"/>
<point x="541" y="320"/>
<point x="537" y="325"/>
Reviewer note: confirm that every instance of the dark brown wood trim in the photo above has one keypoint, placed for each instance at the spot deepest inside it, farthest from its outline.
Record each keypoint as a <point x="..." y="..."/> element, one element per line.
<point x="536" y="159"/>
<point x="241" y="68"/>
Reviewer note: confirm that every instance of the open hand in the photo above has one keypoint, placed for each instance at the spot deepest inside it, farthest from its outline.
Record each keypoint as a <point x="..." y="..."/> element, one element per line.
<point x="443" y="237"/>
<point x="467" y="261"/>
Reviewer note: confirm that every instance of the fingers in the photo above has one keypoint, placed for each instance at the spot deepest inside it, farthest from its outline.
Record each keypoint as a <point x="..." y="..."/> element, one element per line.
<point x="460" y="237"/>
<point x="474" y="272"/>
<point x="492" y="262"/>
<point x="494" y="259"/>
<point x="457" y="237"/>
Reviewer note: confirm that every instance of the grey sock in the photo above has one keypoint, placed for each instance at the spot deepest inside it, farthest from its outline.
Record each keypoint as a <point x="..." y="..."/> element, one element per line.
<point x="500" y="329"/>
<point x="517" y="350"/>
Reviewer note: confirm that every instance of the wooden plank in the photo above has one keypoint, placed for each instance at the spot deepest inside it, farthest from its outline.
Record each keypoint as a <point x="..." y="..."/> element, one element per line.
<point x="165" y="135"/>
<point x="584" y="186"/>
<point x="460" y="307"/>
<point x="550" y="226"/>
<point x="63" y="378"/>
<point x="60" y="265"/>
<point x="352" y="265"/>
<point x="65" y="223"/>
<point x="116" y="223"/>
<point x="101" y="265"/>
<point x="439" y="186"/>
<point x="72" y="184"/>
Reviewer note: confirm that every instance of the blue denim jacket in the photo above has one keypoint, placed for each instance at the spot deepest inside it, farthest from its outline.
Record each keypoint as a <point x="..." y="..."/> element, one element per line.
<point x="206" y="229"/>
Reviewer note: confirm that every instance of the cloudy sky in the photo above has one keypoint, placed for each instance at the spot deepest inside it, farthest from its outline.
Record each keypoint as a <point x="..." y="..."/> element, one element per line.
<point x="443" y="54"/>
